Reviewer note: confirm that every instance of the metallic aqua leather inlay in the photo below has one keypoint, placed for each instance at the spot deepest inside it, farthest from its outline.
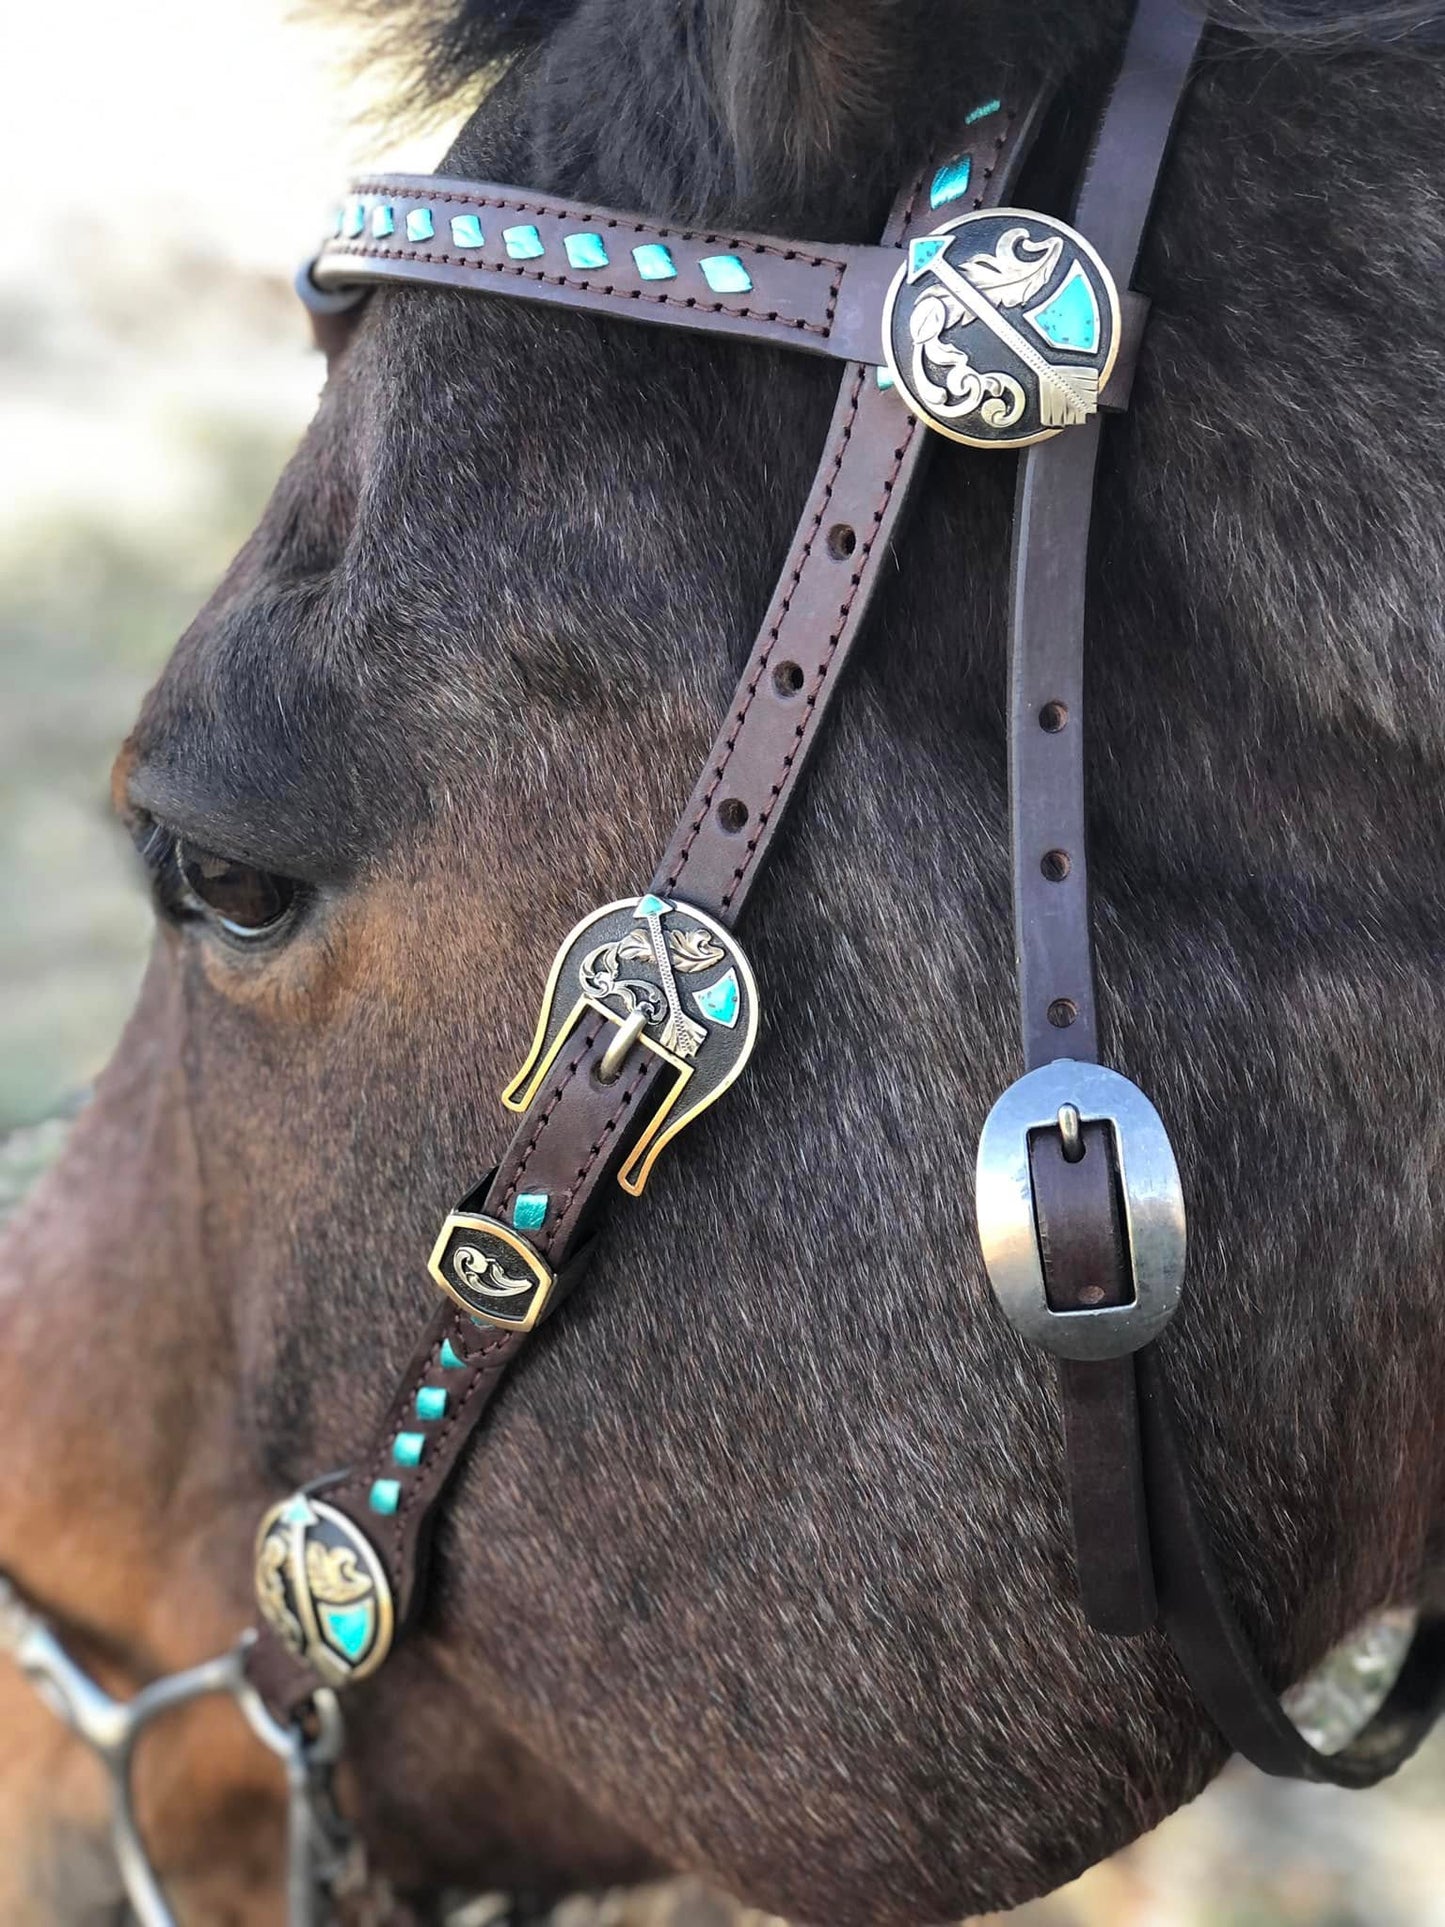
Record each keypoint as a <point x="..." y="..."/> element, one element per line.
<point x="982" y="112"/>
<point x="654" y="262"/>
<point x="529" y="1213"/>
<point x="586" y="250"/>
<point x="431" y="1402"/>
<point x="725" y="274"/>
<point x="721" y="1001"/>
<point x="1070" y="319"/>
<point x="384" y="1496"/>
<point x="383" y="221"/>
<point x="407" y="1447"/>
<point x="451" y="1359"/>
<point x="467" y="231"/>
<point x="923" y="251"/>
<point x="419" y="224"/>
<point x="338" y="220"/>
<point x="355" y="222"/>
<point x="523" y="243"/>
<point x="950" y="181"/>
<point x="350" y="1627"/>
<point x="882" y="376"/>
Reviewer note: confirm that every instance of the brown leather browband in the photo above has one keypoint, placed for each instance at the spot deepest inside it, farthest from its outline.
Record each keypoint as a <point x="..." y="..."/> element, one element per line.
<point x="597" y="1097"/>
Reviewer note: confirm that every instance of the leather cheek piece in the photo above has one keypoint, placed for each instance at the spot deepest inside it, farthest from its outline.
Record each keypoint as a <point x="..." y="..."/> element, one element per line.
<point x="575" y="1135"/>
<point x="1136" y="1526"/>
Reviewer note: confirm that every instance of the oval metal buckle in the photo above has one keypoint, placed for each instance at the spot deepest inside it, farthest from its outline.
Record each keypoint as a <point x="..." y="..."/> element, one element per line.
<point x="1150" y="1193"/>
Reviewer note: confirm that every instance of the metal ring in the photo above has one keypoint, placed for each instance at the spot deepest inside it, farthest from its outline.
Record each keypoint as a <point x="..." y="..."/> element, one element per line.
<point x="1149" y="1187"/>
<point x="292" y="1741"/>
<point x="325" y="301"/>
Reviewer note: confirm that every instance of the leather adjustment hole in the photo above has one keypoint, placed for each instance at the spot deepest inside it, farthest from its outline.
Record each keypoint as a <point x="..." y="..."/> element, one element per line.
<point x="788" y="678"/>
<point x="732" y="814"/>
<point x="1063" y="1011"/>
<point x="1053" y="717"/>
<point x="1055" y="865"/>
<point x="842" y="541"/>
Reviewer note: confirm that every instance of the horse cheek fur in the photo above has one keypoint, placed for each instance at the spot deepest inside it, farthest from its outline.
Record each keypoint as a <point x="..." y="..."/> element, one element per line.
<point x="757" y="1572"/>
<point x="125" y="1507"/>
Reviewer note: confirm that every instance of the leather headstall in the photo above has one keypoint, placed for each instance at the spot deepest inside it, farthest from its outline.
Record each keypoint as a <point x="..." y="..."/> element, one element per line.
<point x="994" y="326"/>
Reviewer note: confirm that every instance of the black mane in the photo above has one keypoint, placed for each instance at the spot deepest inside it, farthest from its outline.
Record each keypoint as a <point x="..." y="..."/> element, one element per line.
<point x="781" y="113"/>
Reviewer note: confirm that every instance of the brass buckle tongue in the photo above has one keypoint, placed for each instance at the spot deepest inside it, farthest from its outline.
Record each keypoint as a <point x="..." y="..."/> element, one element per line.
<point x="1063" y="1097"/>
<point x="1001" y="328"/>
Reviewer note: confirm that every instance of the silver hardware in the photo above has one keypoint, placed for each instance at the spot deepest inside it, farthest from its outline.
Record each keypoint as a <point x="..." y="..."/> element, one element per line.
<point x="1153" y="1204"/>
<point x="322" y="1854"/>
<point x="1001" y="328"/>
<point x="324" y="1858"/>
<point x="1071" y="1132"/>
<point x="615" y="1055"/>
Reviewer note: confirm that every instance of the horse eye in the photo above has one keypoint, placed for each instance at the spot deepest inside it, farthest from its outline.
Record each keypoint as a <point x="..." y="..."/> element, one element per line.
<point x="245" y="901"/>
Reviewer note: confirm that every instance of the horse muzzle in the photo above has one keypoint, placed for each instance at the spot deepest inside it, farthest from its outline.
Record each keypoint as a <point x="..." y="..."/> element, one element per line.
<point x="324" y="1858"/>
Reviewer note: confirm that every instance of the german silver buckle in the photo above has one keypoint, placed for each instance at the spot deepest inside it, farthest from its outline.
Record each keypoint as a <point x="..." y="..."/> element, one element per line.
<point x="1067" y="1095"/>
<point x="670" y="978"/>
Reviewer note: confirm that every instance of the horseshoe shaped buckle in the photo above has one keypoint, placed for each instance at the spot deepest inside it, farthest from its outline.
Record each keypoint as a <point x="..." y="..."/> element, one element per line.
<point x="668" y="977"/>
<point x="323" y="1856"/>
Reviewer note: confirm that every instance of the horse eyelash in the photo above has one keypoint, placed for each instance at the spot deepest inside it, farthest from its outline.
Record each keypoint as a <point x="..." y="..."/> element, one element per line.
<point x="156" y="847"/>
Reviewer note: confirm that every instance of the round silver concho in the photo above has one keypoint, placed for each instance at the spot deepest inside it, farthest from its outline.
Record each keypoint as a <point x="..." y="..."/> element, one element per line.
<point x="1001" y="328"/>
<point x="322" y="1589"/>
<point x="1149" y="1187"/>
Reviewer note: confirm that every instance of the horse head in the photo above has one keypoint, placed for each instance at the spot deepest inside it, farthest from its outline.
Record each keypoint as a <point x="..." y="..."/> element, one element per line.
<point x="762" y="1569"/>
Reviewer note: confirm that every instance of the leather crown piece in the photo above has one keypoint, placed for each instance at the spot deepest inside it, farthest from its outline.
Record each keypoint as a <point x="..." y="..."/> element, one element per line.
<point x="1001" y="328"/>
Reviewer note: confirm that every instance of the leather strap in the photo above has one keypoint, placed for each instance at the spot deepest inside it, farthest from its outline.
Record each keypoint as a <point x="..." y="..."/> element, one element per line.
<point x="464" y="234"/>
<point x="1136" y="1524"/>
<point x="1086" y="1264"/>
<point x="821" y="298"/>
<point x="1218" y="1661"/>
<point x="577" y="1131"/>
<point x="1053" y="936"/>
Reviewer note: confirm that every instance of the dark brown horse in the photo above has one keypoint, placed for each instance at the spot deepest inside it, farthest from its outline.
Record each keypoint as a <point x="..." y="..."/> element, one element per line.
<point x="761" y="1567"/>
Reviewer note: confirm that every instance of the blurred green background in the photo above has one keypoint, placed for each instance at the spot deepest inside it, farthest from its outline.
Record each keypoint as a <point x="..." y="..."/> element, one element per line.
<point x="154" y="373"/>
